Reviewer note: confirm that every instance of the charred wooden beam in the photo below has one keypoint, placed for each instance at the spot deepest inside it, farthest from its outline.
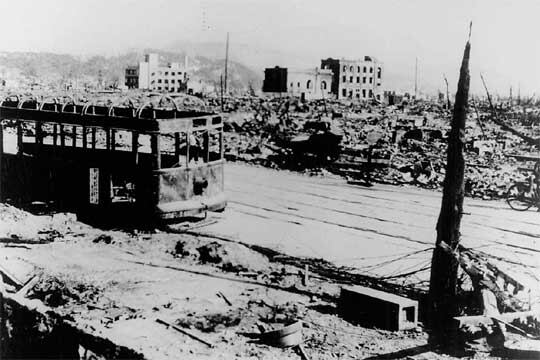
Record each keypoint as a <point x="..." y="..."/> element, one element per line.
<point x="444" y="267"/>
<point x="135" y="146"/>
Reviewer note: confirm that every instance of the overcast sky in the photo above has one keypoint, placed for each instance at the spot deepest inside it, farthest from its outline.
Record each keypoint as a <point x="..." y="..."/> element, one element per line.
<point x="505" y="36"/>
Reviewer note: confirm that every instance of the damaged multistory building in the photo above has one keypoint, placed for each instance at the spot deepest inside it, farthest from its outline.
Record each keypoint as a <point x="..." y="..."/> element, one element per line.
<point x="312" y="84"/>
<point x="152" y="75"/>
<point x="359" y="79"/>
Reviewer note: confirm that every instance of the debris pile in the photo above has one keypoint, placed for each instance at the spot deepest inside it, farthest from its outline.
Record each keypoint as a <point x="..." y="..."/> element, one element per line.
<point x="499" y="316"/>
<point x="403" y="145"/>
<point x="229" y="256"/>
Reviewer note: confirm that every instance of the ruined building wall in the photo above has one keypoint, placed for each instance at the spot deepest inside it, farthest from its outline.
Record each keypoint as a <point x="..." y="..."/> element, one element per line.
<point x="356" y="79"/>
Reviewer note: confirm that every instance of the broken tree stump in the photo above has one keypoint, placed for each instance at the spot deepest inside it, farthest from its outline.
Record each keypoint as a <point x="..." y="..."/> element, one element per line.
<point x="444" y="267"/>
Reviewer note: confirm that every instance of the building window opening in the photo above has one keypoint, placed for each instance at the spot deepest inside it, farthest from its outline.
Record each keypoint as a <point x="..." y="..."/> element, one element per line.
<point x="365" y="69"/>
<point x="364" y="80"/>
<point x="323" y="85"/>
<point x="351" y="69"/>
<point x="371" y="70"/>
<point x="344" y="78"/>
<point x="370" y="93"/>
<point x="344" y="92"/>
<point x="351" y="79"/>
<point x="344" y="68"/>
<point x="379" y="71"/>
<point x="298" y="85"/>
<point x="358" y="69"/>
<point x="371" y="80"/>
<point x="358" y="79"/>
<point x="364" y="93"/>
<point x="308" y="84"/>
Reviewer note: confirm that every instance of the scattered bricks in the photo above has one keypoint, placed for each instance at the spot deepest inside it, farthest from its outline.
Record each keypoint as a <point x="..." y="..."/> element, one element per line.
<point x="374" y="308"/>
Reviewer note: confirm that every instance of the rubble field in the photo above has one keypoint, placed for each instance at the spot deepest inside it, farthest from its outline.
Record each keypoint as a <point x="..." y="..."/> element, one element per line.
<point x="409" y="139"/>
<point x="115" y="284"/>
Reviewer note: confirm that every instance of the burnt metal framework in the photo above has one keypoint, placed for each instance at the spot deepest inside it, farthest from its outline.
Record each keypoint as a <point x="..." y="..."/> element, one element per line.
<point x="177" y="172"/>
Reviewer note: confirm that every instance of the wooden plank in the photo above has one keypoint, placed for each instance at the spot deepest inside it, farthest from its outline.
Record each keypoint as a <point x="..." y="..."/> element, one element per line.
<point x="12" y="278"/>
<point x="177" y="145"/>
<point x="135" y="147"/>
<point x="185" y="332"/>
<point x="55" y="134"/>
<point x="188" y="135"/>
<point x="62" y="136"/>
<point x="113" y="139"/>
<point x="19" y="138"/>
<point x="108" y="139"/>
<point x="84" y="137"/>
<point x="29" y="285"/>
<point x="74" y="136"/>
<point x="477" y="320"/>
<point x="1" y="158"/>
<point x="94" y="130"/>
<point x="206" y="146"/>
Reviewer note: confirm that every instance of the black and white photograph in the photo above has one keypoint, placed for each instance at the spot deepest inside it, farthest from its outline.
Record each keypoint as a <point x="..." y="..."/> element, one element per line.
<point x="260" y="180"/>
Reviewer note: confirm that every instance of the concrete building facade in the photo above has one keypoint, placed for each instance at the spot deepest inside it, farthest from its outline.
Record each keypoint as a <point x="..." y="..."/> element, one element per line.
<point x="152" y="75"/>
<point x="355" y="79"/>
<point x="132" y="77"/>
<point x="308" y="84"/>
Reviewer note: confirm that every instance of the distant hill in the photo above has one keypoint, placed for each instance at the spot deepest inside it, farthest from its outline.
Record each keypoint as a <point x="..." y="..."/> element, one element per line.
<point x="64" y="67"/>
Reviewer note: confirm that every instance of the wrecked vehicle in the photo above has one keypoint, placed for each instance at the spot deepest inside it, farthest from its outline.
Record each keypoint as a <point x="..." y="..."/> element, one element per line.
<point x="319" y="140"/>
<point x="146" y="162"/>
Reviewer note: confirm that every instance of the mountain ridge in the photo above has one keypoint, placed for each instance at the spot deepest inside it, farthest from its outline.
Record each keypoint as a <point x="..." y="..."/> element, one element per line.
<point x="61" y="68"/>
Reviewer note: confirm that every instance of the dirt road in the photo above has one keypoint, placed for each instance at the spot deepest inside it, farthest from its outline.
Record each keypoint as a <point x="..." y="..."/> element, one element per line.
<point x="383" y="230"/>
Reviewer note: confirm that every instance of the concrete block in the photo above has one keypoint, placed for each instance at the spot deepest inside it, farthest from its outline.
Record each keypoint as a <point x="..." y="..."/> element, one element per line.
<point x="374" y="308"/>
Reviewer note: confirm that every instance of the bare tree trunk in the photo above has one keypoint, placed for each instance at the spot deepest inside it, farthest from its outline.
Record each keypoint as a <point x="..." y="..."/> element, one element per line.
<point x="529" y="140"/>
<point x="447" y="94"/>
<point x="443" y="281"/>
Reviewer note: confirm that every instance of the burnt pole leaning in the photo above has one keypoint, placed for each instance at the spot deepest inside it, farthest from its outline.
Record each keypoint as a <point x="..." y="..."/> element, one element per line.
<point x="443" y="286"/>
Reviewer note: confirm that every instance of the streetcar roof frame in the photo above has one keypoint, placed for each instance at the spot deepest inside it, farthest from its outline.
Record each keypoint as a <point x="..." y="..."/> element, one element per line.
<point x="144" y="119"/>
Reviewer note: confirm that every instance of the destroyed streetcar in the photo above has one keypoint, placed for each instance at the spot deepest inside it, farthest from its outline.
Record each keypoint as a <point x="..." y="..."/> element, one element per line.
<point x="148" y="162"/>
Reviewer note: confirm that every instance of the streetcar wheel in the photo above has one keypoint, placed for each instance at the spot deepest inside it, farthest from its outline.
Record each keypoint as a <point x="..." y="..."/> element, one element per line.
<point x="518" y="198"/>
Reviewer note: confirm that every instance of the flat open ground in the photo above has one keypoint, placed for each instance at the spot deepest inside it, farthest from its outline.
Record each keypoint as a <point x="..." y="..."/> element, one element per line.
<point x="382" y="230"/>
<point x="124" y="283"/>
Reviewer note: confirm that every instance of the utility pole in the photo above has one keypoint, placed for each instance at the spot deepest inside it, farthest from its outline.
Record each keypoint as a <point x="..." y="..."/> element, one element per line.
<point x="221" y="90"/>
<point x="415" y="78"/>
<point x="443" y="285"/>
<point x="226" y="62"/>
